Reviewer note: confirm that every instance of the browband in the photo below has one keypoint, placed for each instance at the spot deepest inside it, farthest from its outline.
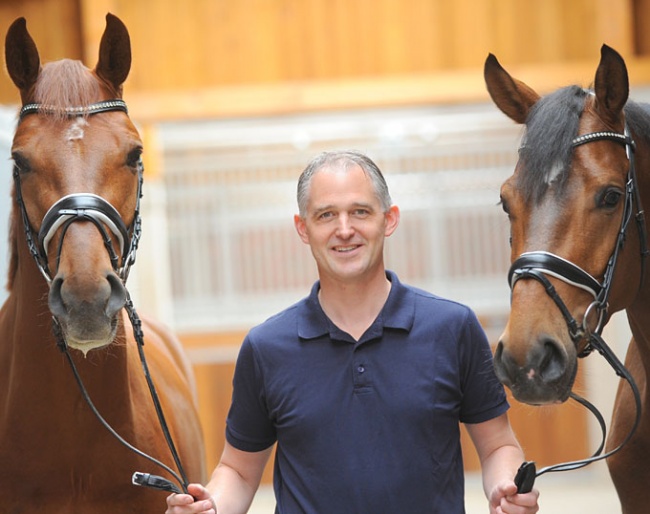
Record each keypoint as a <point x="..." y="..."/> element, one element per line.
<point x="104" y="106"/>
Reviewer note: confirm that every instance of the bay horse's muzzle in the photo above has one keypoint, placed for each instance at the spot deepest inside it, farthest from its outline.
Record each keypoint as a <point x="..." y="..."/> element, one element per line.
<point x="545" y="377"/>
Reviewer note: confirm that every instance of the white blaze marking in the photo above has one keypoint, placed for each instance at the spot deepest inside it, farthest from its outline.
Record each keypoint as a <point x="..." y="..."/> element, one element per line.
<point x="76" y="130"/>
<point x="553" y="173"/>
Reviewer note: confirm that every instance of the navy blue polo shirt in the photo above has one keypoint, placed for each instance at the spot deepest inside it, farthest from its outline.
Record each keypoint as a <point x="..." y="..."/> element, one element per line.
<point x="365" y="427"/>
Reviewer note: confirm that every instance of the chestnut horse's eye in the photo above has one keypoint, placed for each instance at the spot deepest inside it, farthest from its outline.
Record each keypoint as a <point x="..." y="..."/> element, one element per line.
<point x="610" y="198"/>
<point x="20" y="162"/>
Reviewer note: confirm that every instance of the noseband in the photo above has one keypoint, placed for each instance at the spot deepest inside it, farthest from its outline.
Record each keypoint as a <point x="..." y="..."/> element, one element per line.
<point x="95" y="209"/>
<point x="539" y="265"/>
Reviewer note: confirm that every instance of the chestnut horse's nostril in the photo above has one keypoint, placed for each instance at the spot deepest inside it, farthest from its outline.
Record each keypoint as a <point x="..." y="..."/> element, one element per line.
<point x="57" y="305"/>
<point x="108" y="298"/>
<point x="117" y="297"/>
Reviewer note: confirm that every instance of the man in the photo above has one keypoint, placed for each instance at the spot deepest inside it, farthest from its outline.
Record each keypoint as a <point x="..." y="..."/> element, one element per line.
<point x="363" y="383"/>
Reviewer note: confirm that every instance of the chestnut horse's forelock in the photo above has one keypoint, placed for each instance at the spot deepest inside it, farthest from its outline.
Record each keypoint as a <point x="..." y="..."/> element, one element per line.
<point x="66" y="83"/>
<point x="61" y="84"/>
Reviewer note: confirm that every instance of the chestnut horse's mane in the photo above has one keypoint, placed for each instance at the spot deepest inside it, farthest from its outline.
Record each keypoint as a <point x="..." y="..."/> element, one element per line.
<point x="61" y="84"/>
<point x="551" y="127"/>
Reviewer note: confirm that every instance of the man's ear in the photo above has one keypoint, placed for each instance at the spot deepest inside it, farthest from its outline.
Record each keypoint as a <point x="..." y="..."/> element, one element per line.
<point x="392" y="220"/>
<point x="301" y="228"/>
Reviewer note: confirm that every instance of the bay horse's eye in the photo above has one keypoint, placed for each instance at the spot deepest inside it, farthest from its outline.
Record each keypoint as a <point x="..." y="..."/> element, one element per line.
<point x="610" y="198"/>
<point x="504" y="206"/>
<point x="133" y="159"/>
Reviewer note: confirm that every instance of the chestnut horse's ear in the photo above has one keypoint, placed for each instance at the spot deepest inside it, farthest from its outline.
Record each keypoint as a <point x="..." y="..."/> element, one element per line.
<point x="114" y="61"/>
<point x="611" y="84"/>
<point x="21" y="56"/>
<point x="510" y="95"/>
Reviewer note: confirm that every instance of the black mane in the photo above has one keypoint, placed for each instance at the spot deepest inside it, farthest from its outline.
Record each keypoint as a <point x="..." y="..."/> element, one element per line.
<point x="551" y="127"/>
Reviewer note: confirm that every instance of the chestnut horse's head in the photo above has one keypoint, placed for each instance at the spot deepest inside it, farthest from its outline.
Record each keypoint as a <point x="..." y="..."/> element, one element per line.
<point x="573" y="191"/>
<point x="77" y="176"/>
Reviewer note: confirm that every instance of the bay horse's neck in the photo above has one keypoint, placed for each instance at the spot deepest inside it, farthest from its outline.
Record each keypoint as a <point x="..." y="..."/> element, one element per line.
<point x="638" y="311"/>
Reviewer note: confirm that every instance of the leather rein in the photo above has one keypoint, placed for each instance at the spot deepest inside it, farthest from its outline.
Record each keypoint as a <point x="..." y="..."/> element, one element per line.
<point x="538" y="265"/>
<point x="107" y="220"/>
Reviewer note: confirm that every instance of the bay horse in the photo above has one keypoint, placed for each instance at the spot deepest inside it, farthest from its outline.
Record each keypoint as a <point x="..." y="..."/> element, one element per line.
<point x="73" y="233"/>
<point x="579" y="248"/>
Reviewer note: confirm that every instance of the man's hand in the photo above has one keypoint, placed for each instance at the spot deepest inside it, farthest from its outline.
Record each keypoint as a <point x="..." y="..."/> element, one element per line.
<point x="198" y="501"/>
<point x="505" y="500"/>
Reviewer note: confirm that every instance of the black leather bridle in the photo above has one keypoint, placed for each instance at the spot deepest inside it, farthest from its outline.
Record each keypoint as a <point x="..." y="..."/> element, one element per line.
<point x="539" y="265"/>
<point x="95" y="209"/>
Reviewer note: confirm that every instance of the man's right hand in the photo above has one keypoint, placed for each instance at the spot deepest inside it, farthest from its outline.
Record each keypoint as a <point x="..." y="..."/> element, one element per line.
<point x="198" y="501"/>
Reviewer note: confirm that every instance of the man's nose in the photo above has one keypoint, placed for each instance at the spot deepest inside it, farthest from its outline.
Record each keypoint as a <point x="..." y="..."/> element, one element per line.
<point x="345" y="228"/>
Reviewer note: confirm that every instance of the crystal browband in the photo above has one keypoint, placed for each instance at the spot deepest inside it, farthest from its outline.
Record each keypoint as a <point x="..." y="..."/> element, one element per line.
<point x="106" y="105"/>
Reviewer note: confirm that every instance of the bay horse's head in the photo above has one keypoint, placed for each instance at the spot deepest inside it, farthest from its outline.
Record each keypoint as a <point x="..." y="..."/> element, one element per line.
<point x="77" y="177"/>
<point x="572" y="192"/>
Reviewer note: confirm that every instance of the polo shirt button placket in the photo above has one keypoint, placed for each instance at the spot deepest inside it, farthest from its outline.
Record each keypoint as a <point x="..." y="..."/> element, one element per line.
<point x="361" y="376"/>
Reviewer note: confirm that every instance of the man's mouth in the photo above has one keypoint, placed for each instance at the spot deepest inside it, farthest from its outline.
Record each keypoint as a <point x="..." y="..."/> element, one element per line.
<point x="345" y="249"/>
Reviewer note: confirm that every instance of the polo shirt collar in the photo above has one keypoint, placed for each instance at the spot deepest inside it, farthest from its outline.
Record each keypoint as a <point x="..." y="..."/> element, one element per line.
<point x="398" y="313"/>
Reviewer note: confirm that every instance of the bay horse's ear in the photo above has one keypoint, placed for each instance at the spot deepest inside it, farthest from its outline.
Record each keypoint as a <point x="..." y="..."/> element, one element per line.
<point x="611" y="84"/>
<point x="510" y="95"/>
<point x="21" y="57"/>
<point x="114" y="53"/>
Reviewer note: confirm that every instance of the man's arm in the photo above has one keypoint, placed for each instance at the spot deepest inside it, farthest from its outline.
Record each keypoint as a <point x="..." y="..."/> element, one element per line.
<point x="231" y="488"/>
<point x="501" y="456"/>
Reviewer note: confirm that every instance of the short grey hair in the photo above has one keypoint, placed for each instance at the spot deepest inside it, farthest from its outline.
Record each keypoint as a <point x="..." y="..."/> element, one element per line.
<point x="345" y="158"/>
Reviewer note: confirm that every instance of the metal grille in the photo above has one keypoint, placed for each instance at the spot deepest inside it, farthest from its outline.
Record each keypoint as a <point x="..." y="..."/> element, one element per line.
<point x="230" y="188"/>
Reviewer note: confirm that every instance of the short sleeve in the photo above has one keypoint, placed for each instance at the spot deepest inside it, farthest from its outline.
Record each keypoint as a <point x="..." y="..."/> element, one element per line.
<point x="484" y="397"/>
<point x="248" y="425"/>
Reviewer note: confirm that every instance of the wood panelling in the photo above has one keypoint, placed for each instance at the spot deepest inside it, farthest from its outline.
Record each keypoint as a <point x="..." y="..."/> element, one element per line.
<point x="184" y="47"/>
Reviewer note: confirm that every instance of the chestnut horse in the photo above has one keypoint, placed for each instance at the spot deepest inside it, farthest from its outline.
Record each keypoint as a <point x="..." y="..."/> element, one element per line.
<point x="74" y="229"/>
<point x="578" y="231"/>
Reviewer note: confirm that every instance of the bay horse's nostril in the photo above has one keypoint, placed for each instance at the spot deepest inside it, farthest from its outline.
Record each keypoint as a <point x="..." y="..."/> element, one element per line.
<point x="544" y="366"/>
<point x="553" y="362"/>
<point x="504" y="366"/>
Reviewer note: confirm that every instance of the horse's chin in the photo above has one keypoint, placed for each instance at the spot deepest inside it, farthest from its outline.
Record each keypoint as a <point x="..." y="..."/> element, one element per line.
<point x="86" y="346"/>
<point x="84" y="335"/>
<point x="84" y="341"/>
<point x="538" y="395"/>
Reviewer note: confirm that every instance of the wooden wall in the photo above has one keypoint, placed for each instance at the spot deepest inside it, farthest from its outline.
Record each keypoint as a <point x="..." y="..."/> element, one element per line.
<point x="242" y="57"/>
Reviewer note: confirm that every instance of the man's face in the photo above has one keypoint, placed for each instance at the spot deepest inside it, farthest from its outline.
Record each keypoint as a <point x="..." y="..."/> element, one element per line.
<point x="345" y="225"/>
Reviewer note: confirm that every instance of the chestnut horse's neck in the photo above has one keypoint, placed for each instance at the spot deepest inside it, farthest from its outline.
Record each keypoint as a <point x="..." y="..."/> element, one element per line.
<point x="40" y="384"/>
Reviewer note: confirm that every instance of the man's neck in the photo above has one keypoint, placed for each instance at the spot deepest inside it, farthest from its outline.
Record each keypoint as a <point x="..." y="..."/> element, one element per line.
<point x="354" y="306"/>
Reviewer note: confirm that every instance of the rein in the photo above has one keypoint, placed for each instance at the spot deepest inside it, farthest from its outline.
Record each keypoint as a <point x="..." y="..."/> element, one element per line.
<point x="537" y="265"/>
<point x="93" y="208"/>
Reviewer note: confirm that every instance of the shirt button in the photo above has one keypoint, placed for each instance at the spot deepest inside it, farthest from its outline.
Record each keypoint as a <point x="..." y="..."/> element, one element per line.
<point x="361" y="368"/>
